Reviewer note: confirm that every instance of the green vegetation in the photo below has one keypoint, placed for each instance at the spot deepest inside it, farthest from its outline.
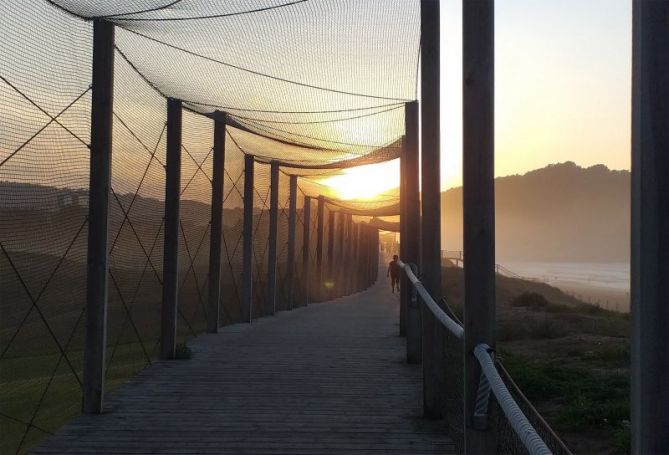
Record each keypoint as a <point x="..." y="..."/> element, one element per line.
<point x="588" y="391"/>
<point x="27" y="380"/>
<point x="570" y="358"/>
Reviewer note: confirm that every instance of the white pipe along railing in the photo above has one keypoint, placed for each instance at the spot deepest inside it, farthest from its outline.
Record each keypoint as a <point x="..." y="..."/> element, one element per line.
<point x="517" y="419"/>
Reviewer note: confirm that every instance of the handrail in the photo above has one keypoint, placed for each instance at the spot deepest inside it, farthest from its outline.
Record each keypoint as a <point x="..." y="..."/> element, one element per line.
<point x="452" y="326"/>
<point x="523" y="428"/>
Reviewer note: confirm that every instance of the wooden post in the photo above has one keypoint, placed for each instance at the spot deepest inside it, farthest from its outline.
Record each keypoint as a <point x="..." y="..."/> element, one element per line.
<point x="292" y="220"/>
<point x="405" y="291"/>
<point x="318" y="284"/>
<point x="355" y="259"/>
<point x="340" y="270"/>
<point x="247" y="274"/>
<point x="216" y="237"/>
<point x="329" y="276"/>
<point x="650" y="227"/>
<point x="102" y="102"/>
<point x="368" y="259"/>
<point x="411" y="227"/>
<point x="270" y="303"/>
<point x="306" y="239"/>
<point x="350" y="249"/>
<point x="373" y="255"/>
<point x="478" y="209"/>
<point x="433" y="338"/>
<point x="361" y="257"/>
<point x="171" y="240"/>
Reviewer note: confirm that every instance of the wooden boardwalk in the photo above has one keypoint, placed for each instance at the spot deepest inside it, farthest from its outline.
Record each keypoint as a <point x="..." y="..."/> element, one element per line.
<point x="326" y="379"/>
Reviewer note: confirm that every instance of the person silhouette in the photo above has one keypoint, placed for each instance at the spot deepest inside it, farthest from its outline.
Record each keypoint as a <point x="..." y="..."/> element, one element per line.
<point x="394" y="274"/>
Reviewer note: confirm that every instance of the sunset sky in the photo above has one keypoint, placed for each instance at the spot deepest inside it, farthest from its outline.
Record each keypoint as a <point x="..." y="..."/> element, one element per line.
<point x="563" y="81"/>
<point x="562" y="84"/>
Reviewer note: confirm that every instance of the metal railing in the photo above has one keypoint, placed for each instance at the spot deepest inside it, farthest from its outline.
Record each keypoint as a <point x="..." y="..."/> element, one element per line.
<point x="491" y="380"/>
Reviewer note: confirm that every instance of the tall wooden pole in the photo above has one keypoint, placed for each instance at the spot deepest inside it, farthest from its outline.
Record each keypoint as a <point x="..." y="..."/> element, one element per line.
<point x="340" y="270"/>
<point x="270" y="303"/>
<point x="410" y="221"/>
<point x="478" y="162"/>
<point x="306" y="240"/>
<point x="216" y="237"/>
<point x="404" y="287"/>
<point x="433" y="341"/>
<point x="650" y="227"/>
<point x="292" y="220"/>
<point x="330" y="268"/>
<point x="318" y="285"/>
<point x="350" y="248"/>
<point x="102" y="102"/>
<point x="247" y="274"/>
<point x="171" y="241"/>
<point x="355" y="261"/>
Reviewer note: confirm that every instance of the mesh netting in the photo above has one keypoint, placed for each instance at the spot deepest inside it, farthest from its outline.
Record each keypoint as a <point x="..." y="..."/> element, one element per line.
<point x="282" y="277"/>
<point x="232" y="255"/>
<point x="219" y="67"/>
<point x="136" y="226"/>
<point x="44" y="124"/>
<point x="194" y="222"/>
<point x="261" y="190"/>
<point x="330" y="96"/>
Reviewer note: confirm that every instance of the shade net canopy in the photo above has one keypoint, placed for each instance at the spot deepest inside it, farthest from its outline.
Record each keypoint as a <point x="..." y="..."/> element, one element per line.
<point x="327" y="79"/>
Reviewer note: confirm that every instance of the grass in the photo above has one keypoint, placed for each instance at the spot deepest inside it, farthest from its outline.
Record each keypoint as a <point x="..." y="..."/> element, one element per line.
<point x="570" y="358"/>
<point x="530" y="329"/>
<point x="25" y="381"/>
<point x="587" y="398"/>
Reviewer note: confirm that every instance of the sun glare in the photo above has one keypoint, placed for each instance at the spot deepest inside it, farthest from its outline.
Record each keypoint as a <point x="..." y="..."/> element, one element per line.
<point x="365" y="182"/>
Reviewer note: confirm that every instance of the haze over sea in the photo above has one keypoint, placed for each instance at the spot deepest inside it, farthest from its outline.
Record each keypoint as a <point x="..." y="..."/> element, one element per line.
<point x="603" y="283"/>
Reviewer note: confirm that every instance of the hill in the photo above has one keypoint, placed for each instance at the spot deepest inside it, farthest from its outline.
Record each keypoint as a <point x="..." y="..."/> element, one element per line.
<point x="562" y="212"/>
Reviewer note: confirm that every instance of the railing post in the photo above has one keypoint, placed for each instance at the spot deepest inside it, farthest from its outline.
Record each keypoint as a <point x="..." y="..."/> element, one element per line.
<point x="216" y="237"/>
<point x="650" y="227"/>
<point x="404" y="288"/>
<point x="247" y="274"/>
<point x="318" y="285"/>
<point x="341" y="247"/>
<point x="375" y="255"/>
<point x="363" y="256"/>
<point x="478" y="209"/>
<point x="433" y="337"/>
<point x="306" y="239"/>
<point x="102" y="108"/>
<point x="168" y="338"/>
<point x="329" y="280"/>
<point x="410" y="220"/>
<point x="360" y="278"/>
<point x="292" y="220"/>
<point x="270" y="303"/>
<point x="350" y="239"/>
<point x="355" y="254"/>
<point x="368" y="254"/>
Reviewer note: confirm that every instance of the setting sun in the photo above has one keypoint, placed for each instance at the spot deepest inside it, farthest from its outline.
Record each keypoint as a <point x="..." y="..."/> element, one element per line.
<point x="365" y="182"/>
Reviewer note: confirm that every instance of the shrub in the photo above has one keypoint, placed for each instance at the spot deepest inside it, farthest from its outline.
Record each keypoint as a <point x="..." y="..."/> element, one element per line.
<point x="532" y="300"/>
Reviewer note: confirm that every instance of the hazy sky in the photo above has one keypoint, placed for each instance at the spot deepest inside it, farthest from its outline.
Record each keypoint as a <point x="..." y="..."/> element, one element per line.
<point x="562" y="84"/>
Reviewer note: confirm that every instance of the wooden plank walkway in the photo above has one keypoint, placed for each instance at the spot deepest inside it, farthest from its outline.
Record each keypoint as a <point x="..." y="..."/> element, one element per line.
<point x="326" y="379"/>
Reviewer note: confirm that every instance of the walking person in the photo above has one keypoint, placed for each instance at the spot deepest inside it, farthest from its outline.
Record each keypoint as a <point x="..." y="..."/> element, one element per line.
<point x="394" y="274"/>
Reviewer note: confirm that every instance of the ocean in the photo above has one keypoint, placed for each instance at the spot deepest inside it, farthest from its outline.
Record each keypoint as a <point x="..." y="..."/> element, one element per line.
<point x="606" y="284"/>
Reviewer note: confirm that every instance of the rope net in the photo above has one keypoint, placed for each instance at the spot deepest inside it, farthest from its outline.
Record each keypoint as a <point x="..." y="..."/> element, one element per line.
<point x="44" y="132"/>
<point x="316" y="86"/>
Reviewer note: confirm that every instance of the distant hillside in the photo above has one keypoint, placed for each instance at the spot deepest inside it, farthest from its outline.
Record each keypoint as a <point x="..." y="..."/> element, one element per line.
<point x="562" y="212"/>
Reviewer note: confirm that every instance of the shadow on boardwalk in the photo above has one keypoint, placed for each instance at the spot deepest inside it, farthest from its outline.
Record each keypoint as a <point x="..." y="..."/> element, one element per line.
<point x="326" y="379"/>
